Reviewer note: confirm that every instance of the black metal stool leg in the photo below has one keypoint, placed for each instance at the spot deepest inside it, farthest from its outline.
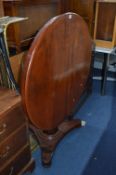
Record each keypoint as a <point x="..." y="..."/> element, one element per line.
<point x="104" y="73"/>
<point x="5" y="55"/>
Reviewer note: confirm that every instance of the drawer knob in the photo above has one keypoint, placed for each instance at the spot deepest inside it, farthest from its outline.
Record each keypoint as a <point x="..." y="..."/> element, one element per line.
<point x="5" y="153"/>
<point x="3" y="128"/>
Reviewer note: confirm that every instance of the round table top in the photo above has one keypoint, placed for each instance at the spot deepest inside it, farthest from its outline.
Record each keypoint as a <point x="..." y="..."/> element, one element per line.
<point x="56" y="70"/>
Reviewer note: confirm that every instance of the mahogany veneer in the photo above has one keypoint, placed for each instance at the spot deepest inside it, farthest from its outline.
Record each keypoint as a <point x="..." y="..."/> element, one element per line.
<point x="55" y="74"/>
<point x="38" y="12"/>
<point x="15" y="154"/>
<point x="1" y="9"/>
<point x="85" y="8"/>
<point x="105" y="23"/>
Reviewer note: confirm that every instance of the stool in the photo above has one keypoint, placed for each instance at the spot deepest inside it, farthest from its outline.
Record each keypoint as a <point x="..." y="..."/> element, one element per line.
<point x="107" y="53"/>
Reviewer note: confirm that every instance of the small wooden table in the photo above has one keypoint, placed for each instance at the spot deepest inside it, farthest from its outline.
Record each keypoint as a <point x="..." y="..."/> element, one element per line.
<point x="107" y="53"/>
<point x="56" y="74"/>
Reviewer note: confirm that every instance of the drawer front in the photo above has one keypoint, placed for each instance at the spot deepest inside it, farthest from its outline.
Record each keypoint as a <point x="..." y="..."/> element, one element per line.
<point x="13" y="144"/>
<point x="12" y="119"/>
<point x="18" y="163"/>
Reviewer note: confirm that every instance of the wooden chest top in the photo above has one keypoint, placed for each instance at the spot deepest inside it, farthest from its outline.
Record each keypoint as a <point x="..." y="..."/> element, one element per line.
<point x="8" y="99"/>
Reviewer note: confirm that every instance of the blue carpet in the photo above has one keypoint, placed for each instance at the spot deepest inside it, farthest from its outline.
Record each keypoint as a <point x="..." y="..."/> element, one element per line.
<point x="98" y="73"/>
<point x="89" y="150"/>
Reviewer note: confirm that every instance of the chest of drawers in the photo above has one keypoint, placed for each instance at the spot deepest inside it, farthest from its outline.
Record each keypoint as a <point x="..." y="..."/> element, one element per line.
<point x="15" y="155"/>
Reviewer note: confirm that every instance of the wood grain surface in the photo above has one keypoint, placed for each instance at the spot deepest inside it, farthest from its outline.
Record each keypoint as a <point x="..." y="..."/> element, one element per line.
<point x="56" y="70"/>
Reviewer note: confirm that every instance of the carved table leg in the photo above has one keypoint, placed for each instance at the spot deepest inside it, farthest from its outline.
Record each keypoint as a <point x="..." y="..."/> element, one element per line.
<point x="48" y="142"/>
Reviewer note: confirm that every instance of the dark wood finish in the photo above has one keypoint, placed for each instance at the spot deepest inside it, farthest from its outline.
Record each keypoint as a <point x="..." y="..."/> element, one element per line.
<point x="55" y="75"/>
<point x="11" y="146"/>
<point x="105" y="24"/>
<point x="59" y="71"/>
<point x="17" y="165"/>
<point x="85" y="8"/>
<point x="38" y="12"/>
<point x="13" y="135"/>
<point x="8" y="125"/>
<point x="48" y="142"/>
<point x="1" y="9"/>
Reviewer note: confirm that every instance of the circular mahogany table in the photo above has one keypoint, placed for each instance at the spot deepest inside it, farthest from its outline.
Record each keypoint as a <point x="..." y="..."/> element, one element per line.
<point x="54" y="77"/>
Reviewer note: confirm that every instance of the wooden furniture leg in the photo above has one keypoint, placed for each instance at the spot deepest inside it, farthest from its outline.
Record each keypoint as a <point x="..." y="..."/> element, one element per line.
<point x="49" y="141"/>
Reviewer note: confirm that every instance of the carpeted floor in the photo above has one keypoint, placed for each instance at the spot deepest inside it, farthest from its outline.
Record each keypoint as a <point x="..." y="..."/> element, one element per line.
<point x="90" y="150"/>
